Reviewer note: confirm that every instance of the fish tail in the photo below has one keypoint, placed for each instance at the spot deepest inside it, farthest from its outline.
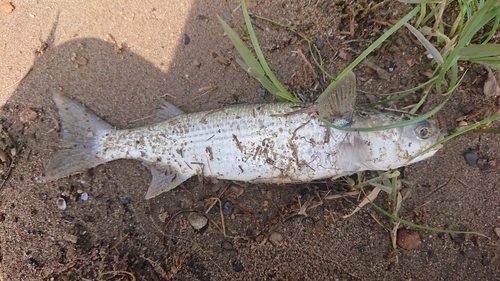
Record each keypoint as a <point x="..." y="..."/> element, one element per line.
<point x="80" y="133"/>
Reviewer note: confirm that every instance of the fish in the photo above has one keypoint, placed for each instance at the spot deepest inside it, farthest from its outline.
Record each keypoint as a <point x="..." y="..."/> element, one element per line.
<point x="277" y="142"/>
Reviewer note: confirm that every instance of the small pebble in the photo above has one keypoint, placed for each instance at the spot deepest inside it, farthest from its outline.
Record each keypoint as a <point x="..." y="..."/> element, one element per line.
<point x="27" y="115"/>
<point x="372" y="98"/>
<point x="61" y="203"/>
<point x="485" y="261"/>
<point x="127" y="201"/>
<point x="471" y="158"/>
<point x="232" y="253"/>
<point x="471" y="251"/>
<point x="262" y="92"/>
<point x="457" y="238"/>
<point x="196" y="63"/>
<point x="226" y="245"/>
<point x="227" y="208"/>
<point x="497" y="231"/>
<point x="385" y="11"/>
<point x="202" y="17"/>
<point x="227" y="15"/>
<point x="392" y="67"/>
<point x="214" y="210"/>
<point x="187" y="40"/>
<point x="197" y="220"/>
<point x="345" y="55"/>
<point x="319" y="44"/>
<point x="403" y="81"/>
<point x="32" y="261"/>
<point x="276" y="238"/>
<point x="408" y="239"/>
<point x="82" y="61"/>
<point x="466" y="109"/>
<point x="84" y="196"/>
<point x="70" y="238"/>
<point x="353" y="44"/>
<point x="235" y="191"/>
<point x="237" y="266"/>
<point x="265" y="203"/>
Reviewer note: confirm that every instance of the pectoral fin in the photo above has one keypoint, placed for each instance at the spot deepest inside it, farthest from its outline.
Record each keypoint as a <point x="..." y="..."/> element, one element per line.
<point x="164" y="179"/>
<point x="336" y="104"/>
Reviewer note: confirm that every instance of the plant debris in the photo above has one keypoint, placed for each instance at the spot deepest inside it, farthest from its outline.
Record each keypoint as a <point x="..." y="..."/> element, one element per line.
<point x="27" y="115"/>
<point x="490" y="87"/>
<point x="489" y="165"/>
<point x="220" y="58"/>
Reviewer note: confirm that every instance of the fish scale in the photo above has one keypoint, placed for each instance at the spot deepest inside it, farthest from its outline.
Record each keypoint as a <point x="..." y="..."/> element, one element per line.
<point x="268" y="143"/>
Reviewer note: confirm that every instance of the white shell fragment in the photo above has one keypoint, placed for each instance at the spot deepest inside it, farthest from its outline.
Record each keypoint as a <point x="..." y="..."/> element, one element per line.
<point x="84" y="196"/>
<point x="61" y="203"/>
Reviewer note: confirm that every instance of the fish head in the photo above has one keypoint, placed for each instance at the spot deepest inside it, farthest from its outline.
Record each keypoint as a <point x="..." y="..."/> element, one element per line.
<point x="397" y="147"/>
<point x="424" y="134"/>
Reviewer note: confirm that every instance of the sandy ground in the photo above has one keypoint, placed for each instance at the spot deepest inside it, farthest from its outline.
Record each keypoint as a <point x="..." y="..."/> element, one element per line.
<point x="121" y="59"/>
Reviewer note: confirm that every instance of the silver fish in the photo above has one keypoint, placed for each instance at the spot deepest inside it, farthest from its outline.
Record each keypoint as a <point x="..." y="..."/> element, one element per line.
<point x="260" y="143"/>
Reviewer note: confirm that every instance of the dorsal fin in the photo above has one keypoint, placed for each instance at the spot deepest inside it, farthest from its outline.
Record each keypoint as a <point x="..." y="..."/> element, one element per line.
<point x="336" y="103"/>
<point x="165" y="111"/>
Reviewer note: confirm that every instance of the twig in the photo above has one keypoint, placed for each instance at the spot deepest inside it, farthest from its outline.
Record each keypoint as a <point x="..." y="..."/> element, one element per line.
<point x="175" y="215"/>
<point x="18" y="81"/>
<point x="437" y="188"/>
<point x="116" y="272"/>
<point x="308" y="63"/>
<point x="336" y="196"/>
<point x="167" y="94"/>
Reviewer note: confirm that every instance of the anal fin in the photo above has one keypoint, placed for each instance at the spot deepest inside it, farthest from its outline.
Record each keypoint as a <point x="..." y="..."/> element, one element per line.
<point x="164" y="179"/>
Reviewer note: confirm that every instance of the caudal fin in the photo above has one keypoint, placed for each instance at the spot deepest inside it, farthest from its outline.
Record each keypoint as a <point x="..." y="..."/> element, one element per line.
<point x="80" y="130"/>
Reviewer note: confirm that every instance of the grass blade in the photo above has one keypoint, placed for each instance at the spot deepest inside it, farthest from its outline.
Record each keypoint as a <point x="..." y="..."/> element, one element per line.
<point x="408" y="223"/>
<point x="428" y="45"/>
<point x="478" y="51"/>
<point x="244" y="52"/>
<point x="258" y="51"/>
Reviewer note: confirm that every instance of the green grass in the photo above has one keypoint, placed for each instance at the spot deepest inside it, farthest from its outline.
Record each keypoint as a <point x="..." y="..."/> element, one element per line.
<point x="449" y="43"/>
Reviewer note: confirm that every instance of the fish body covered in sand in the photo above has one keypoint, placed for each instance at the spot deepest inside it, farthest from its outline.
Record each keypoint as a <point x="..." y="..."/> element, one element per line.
<point x="260" y="143"/>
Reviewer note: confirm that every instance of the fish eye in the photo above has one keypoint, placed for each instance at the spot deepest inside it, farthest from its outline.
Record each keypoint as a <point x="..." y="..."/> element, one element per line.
<point x="423" y="129"/>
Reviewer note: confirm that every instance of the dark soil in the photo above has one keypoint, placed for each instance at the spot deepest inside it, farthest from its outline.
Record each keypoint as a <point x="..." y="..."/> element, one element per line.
<point x="120" y="60"/>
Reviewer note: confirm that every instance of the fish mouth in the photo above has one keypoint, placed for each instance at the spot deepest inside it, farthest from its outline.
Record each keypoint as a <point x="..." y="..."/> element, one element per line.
<point x="439" y="137"/>
<point x="425" y="155"/>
